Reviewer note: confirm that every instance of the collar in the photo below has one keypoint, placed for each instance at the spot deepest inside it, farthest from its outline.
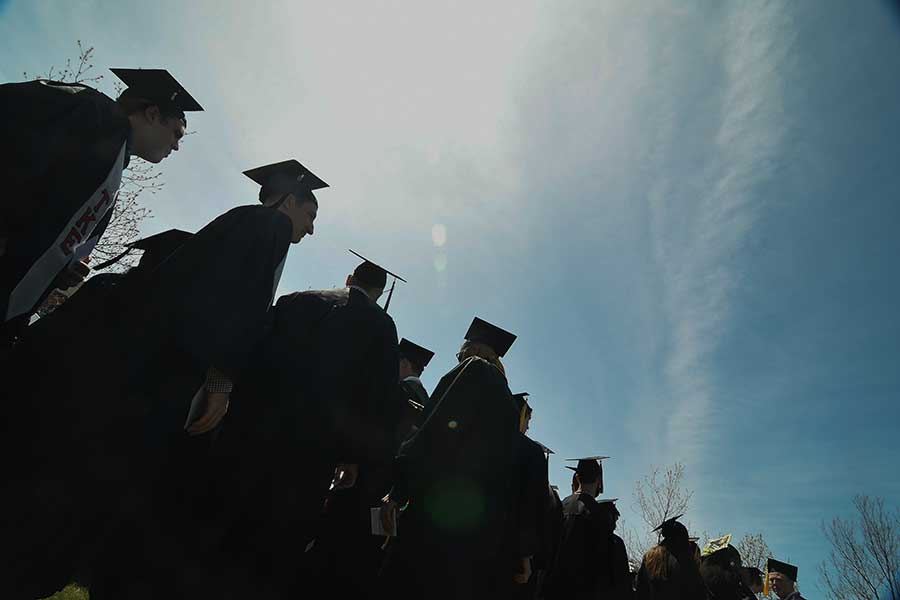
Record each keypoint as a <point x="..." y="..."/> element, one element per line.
<point x="359" y="289"/>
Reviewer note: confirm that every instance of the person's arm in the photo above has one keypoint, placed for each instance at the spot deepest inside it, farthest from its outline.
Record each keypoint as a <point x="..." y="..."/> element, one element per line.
<point x="218" y="388"/>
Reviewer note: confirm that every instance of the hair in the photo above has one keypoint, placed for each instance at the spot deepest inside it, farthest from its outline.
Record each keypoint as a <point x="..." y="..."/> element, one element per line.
<point x="656" y="562"/>
<point x="266" y="192"/>
<point x="583" y="478"/>
<point x="132" y="103"/>
<point x="483" y="351"/>
<point x="414" y="364"/>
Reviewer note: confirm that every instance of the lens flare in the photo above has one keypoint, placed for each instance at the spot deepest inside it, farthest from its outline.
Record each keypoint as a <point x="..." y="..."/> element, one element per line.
<point x="438" y="235"/>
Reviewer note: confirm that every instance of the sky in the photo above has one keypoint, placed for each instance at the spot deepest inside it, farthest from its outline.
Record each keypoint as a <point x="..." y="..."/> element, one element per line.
<point x="686" y="211"/>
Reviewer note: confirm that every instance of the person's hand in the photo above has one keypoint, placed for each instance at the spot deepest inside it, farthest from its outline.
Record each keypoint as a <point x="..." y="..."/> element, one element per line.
<point x="216" y="407"/>
<point x="389" y="516"/>
<point x="524" y="574"/>
<point x="71" y="275"/>
<point x="345" y="476"/>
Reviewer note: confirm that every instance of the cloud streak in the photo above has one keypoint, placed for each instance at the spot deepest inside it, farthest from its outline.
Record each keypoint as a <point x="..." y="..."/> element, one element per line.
<point x="698" y="263"/>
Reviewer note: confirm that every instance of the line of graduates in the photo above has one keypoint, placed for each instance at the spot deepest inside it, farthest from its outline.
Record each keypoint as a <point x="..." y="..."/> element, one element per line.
<point x="121" y="470"/>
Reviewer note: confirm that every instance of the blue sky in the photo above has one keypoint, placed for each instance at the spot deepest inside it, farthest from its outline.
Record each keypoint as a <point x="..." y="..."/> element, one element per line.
<point x="687" y="213"/>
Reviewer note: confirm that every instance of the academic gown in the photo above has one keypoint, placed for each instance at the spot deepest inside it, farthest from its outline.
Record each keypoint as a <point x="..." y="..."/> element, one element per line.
<point x="344" y="542"/>
<point x="723" y="581"/>
<point x="317" y="395"/>
<point x="591" y="561"/>
<point x="457" y="536"/>
<point x="62" y="154"/>
<point x="531" y="510"/>
<point x="112" y="395"/>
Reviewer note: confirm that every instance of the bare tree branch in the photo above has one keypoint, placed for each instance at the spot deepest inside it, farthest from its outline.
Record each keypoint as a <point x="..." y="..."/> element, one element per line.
<point x="864" y="561"/>
<point x="657" y="497"/>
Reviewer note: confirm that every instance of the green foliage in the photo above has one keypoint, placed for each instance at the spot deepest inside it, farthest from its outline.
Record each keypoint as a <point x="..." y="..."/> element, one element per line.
<point x="71" y="592"/>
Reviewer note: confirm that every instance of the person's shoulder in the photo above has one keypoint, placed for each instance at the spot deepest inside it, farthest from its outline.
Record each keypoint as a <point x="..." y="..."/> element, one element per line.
<point x="251" y="218"/>
<point x="331" y="297"/>
<point x="574" y="506"/>
<point x="56" y="90"/>
<point x="477" y="366"/>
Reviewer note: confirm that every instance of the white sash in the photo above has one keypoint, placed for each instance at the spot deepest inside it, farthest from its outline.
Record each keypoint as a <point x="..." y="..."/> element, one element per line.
<point x="277" y="278"/>
<point x="67" y="244"/>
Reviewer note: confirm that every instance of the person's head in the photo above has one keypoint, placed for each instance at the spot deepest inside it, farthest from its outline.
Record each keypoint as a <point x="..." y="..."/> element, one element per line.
<point x="287" y="186"/>
<point x="409" y="369"/>
<point x="610" y="514"/>
<point x="589" y="471"/>
<point x="300" y="207"/>
<point x="588" y="483"/>
<point x="523" y="410"/>
<point x="752" y="579"/>
<point x="574" y="482"/>
<point x="674" y="535"/>
<point x="481" y="350"/>
<point x="526" y="420"/>
<point x="781" y="584"/>
<point x="782" y="577"/>
<point x="156" y="130"/>
<point x="413" y="358"/>
<point x="154" y="103"/>
<point x="371" y="278"/>
<point x="486" y="341"/>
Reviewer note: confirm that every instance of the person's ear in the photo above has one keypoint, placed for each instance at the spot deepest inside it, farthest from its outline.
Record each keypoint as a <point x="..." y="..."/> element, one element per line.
<point x="349" y="280"/>
<point x="152" y="114"/>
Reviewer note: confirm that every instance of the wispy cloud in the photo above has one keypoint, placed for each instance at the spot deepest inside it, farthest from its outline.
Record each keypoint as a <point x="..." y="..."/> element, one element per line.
<point x="698" y="241"/>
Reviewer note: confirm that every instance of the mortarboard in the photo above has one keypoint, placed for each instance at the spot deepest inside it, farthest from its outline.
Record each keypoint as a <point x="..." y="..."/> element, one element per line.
<point x="714" y="545"/>
<point x="159" y="87"/>
<point x="490" y="335"/>
<point x="610" y="504"/>
<point x="375" y="275"/>
<point x="671" y="528"/>
<point x="589" y="468"/>
<point x="547" y="451"/>
<point x="156" y="248"/>
<point x="415" y="353"/>
<point x="668" y="522"/>
<point x="776" y="566"/>
<point x="521" y="400"/>
<point x="285" y="177"/>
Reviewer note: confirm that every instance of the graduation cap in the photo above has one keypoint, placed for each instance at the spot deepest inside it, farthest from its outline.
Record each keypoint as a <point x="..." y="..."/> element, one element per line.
<point x="285" y="177"/>
<point x="589" y="468"/>
<point x="482" y="332"/>
<point x="375" y="275"/>
<point x="776" y="566"/>
<point x="547" y="451"/>
<point x="415" y="353"/>
<point x="156" y="248"/>
<point x="521" y="400"/>
<point x="610" y="505"/>
<point x="713" y="546"/>
<point x="159" y="87"/>
<point x="671" y="528"/>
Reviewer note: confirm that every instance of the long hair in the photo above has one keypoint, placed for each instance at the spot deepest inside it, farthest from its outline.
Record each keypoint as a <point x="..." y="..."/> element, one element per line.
<point x="656" y="562"/>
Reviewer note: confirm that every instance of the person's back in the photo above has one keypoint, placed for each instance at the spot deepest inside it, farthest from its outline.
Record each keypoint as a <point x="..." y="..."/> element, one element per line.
<point x="720" y="571"/>
<point x="312" y="398"/>
<point x="663" y="576"/>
